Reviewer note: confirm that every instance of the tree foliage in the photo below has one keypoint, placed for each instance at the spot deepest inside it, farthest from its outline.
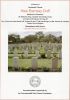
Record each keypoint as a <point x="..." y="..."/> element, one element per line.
<point x="38" y="37"/>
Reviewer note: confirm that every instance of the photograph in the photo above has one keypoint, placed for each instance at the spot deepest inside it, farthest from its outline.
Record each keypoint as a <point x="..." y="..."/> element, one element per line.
<point x="35" y="52"/>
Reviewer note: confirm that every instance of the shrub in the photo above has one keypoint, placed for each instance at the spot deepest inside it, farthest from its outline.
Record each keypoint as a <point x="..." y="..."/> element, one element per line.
<point x="43" y="55"/>
<point x="21" y="57"/>
<point x="46" y="69"/>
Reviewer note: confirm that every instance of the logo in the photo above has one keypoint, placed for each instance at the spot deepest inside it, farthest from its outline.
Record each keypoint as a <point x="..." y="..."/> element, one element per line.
<point x="35" y="81"/>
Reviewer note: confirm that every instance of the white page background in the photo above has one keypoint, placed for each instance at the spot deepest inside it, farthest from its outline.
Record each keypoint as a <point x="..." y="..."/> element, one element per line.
<point x="55" y="82"/>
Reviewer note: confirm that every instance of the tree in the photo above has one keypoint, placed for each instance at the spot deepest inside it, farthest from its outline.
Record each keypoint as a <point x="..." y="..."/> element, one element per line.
<point x="30" y="38"/>
<point x="13" y="38"/>
<point x="59" y="39"/>
<point x="38" y="37"/>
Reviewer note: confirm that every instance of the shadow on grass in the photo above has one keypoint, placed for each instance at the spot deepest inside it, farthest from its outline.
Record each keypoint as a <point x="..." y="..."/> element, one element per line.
<point x="44" y="69"/>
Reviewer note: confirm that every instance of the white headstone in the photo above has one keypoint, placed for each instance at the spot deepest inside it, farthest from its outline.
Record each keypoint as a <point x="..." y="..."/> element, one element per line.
<point x="26" y="53"/>
<point x="34" y="63"/>
<point x="37" y="53"/>
<point x="49" y="54"/>
<point x="16" y="62"/>
<point x="15" y="52"/>
<point x="60" y="54"/>
<point x="9" y="50"/>
<point x="54" y="63"/>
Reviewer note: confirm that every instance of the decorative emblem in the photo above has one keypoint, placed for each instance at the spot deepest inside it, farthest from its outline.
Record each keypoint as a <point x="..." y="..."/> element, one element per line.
<point x="35" y="81"/>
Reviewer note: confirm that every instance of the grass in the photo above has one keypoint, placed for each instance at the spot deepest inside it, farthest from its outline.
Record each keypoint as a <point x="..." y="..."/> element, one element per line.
<point x="25" y="63"/>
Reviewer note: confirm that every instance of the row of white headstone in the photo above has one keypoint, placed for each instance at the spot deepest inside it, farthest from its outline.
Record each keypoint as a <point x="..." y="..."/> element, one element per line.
<point x="34" y="61"/>
<point x="36" y="45"/>
<point x="34" y="65"/>
<point x="48" y="53"/>
<point x="54" y="47"/>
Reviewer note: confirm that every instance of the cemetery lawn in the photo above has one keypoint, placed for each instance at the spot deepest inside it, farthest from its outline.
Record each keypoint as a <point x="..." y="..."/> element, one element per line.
<point x="26" y="63"/>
